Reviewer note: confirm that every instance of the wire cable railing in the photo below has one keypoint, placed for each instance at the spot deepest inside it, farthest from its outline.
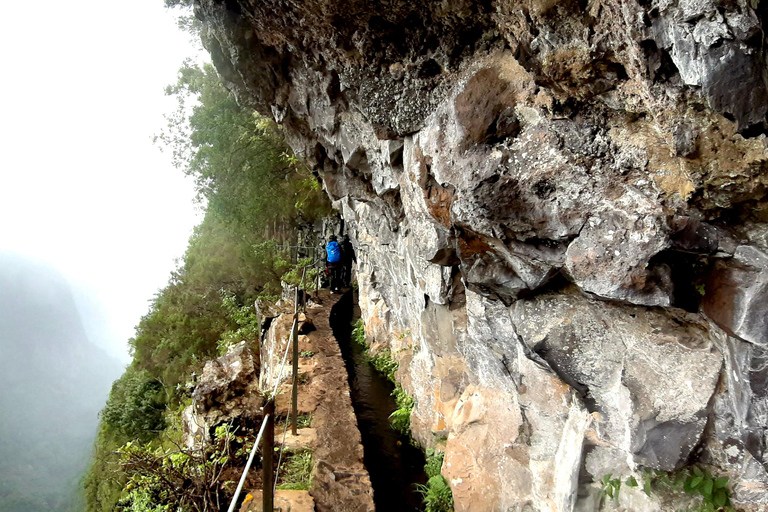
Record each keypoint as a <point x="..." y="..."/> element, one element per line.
<point x="248" y="465"/>
<point x="292" y="342"/>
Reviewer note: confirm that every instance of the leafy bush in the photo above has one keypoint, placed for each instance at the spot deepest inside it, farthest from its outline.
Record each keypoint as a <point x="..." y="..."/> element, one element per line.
<point x="436" y="493"/>
<point x="135" y="405"/>
<point x="245" y="318"/>
<point x="358" y="334"/>
<point x="400" y="420"/>
<point x="293" y="276"/>
<point x="175" y="478"/>
<point x="693" y="480"/>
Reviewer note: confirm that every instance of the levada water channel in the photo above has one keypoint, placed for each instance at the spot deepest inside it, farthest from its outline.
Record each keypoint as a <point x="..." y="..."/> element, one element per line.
<point x="395" y="466"/>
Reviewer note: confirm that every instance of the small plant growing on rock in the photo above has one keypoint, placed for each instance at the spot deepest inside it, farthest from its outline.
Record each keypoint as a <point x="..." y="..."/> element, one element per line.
<point x="436" y="493"/>
<point x="401" y="418"/>
<point x="306" y="354"/>
<point x="383" y="362"/>
<point x="695" y="481"/>
<point x="712" y="492"/>
<point x="610" y="487"/>
<point x="358" y="334"/>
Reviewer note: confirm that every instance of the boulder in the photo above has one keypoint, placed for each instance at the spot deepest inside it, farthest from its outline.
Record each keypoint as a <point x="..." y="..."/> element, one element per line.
<point x="625" y="363"/>
<point x="227" y="376"/>
<point x="227" y="392"/>
<point x="736" y="294"/>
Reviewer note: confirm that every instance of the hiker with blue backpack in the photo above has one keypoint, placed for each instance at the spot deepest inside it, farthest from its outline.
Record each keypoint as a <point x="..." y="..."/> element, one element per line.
<point x="333" y="263"/>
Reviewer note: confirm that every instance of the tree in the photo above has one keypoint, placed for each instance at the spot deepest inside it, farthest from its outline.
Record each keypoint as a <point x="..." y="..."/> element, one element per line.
<point x="241" y="164"/>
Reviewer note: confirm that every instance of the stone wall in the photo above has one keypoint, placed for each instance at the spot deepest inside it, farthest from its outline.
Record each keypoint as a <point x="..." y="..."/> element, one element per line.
<point x="559" y="211"/>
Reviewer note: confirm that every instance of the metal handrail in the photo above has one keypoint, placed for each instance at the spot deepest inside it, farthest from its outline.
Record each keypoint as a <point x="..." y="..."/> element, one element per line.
<point x="248" y="465"/>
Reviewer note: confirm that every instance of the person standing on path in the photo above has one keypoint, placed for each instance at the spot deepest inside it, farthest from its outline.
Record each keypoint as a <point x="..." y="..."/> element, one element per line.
<point x="347" y="258"/>
<point x="333" y="264"/>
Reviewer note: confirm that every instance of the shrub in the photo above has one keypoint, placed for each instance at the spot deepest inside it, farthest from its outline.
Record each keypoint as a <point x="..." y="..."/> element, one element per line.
<point x="400" y="420"/>
<point x="436" y="493"/>
<point x="358" y="334"/>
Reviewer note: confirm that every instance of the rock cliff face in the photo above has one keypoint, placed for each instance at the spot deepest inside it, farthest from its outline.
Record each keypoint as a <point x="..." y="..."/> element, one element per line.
<point x="560" y="215"/>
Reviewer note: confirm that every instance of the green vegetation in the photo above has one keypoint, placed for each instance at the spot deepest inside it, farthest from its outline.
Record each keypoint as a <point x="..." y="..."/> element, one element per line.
<point x="304" y="420"/>
<point x="296" y="471"/>
<point x="384" y="363"/>
<point x="610" y="487"/>
<point x="437" y="492"/>
<point x="240" y="163"/>
<point x="306" y="354"/>
<point x="401" y="418"/>
<point x="712" y="492"/>
<point x="358" y="334"/>
<point x="256" y="194"/>
<point x="135" y="407"/>
<point x="165" y="478"/>
<point x="293" y="276"/>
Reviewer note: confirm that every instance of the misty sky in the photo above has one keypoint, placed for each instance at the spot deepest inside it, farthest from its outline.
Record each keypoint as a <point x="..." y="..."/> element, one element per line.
<point x="81" y="184"/>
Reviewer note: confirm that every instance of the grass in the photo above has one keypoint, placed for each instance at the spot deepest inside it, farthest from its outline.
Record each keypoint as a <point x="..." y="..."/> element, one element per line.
<point x="296" y="471"/>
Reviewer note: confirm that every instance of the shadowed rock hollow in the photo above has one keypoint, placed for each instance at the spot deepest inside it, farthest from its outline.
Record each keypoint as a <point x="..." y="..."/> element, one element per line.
<point x="559" y="210"/>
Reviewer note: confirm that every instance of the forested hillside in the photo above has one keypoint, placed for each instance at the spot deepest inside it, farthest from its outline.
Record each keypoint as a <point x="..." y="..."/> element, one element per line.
<point x="53" y="383"/>
<point x="256" y="195"/>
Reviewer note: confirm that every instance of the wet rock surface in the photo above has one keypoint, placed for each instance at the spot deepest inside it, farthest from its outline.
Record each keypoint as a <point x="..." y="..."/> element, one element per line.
<point x="558" y="212"/>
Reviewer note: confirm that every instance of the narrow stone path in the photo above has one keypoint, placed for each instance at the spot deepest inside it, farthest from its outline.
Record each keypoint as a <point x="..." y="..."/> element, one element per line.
<point x="340" y="481"/>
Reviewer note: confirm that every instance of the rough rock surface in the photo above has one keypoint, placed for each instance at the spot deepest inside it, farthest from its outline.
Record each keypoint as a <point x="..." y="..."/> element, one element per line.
<point x="227" y="391"/>
<point x="540" y="193"/>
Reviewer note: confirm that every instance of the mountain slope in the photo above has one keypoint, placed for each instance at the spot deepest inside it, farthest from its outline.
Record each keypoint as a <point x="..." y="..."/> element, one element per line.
<point x="54" y="383"/>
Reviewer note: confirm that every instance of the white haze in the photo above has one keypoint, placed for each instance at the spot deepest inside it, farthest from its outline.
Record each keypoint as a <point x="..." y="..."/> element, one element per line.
<point x="81" y="184"/>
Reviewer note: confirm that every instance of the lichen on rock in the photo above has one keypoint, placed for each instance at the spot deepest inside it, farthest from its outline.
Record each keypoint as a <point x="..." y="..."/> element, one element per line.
<point x="559" y="215"/>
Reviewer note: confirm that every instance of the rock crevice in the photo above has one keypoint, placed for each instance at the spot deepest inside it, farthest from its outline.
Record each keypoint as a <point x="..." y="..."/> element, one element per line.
<point x="559" y="215"/>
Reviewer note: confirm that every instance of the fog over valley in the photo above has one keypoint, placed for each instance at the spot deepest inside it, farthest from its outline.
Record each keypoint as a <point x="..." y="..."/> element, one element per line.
<point x="54" y="382"/>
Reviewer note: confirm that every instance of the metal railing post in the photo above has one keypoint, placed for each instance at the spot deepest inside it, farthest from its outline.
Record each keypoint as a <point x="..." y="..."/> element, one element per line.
<point x="295" y="358"/>
<point x="268" y="457"/>
<point x="247" y="467"/>
<point x="295" y="389"/>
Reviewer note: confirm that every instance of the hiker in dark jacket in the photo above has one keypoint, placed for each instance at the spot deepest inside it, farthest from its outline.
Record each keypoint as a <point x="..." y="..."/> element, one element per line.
<point x="333" y="263"/>
<point x="347" y="258"/>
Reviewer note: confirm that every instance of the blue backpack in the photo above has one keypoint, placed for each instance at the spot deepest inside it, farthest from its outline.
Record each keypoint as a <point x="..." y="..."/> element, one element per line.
<point x="334" y="252"/>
